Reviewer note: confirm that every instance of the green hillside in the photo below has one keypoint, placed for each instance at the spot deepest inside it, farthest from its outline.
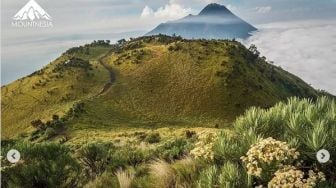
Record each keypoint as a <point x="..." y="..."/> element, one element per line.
<point x="145" y="83"/>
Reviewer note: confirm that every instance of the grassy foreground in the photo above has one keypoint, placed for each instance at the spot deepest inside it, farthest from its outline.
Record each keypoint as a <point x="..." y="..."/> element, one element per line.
<point x="265" y="148"/>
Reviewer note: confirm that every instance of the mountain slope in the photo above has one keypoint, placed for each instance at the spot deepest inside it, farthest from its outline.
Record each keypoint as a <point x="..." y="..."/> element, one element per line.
<point x="213" y="22"/>
<point x="52" y="90"/>
<point x="151" y="82"/>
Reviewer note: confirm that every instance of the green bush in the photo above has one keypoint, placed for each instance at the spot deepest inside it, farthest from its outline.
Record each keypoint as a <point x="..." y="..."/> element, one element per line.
<point x="43" y="165"/>
<point x="208" y="177"/>
<point x="228" y="147"/>
<point x="174" y="149"/>
<point x="49" y="132"/>
<point x="153" y="138"/>
<point x="94" y="158"/>
<point x="123" y="157"/>
<point x="304" y="124"/>
<point x="308" y="125"/>
<point x="232" y="176"/>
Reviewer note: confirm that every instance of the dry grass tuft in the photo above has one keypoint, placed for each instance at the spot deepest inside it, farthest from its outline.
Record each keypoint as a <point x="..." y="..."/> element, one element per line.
<point x="162" y="173"/>
<point x="125" y="179"/>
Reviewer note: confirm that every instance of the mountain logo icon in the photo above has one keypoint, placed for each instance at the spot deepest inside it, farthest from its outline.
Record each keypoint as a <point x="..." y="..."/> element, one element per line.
<point x="32" y="12"/>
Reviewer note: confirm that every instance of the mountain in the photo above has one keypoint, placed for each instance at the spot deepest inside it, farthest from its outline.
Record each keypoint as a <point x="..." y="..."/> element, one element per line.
<point x="32" y="11"/>
<point x="213" y="22"/>
<point x="148" y="82"/>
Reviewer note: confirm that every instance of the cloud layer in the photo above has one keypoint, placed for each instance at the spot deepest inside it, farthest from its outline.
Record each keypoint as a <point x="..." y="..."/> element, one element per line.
<point x="169" y="11"/>
<point x="306" y="49"/>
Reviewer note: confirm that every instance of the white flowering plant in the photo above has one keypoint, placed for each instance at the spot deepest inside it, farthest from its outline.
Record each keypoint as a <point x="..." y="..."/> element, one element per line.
<point x="204" y="146"/>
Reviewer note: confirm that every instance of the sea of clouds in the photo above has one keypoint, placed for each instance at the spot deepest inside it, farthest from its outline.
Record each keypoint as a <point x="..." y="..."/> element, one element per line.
<point x="306" y="49"/>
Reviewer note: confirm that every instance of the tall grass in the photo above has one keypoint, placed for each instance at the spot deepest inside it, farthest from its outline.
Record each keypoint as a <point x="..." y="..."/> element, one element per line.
<point x="208" y="177"/>
<point x="125" y="179"/>
<point x="163" y="174"/>
<point x="232" y="176"/>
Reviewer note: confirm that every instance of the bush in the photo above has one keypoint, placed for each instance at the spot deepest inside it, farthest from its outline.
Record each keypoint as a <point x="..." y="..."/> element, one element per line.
<point x="232" y="176"/>
<point x="302" y="124"/>
<point x="153" y="138"/>
<point x="43" y="165"/>
<point x="94" y="157"/>
<point x="174" y="149"/>
<point x="228" y="147"/>
<point x="128" y="156"/>
<point x="190" y="134"/>
<point x="208" y="177"/>
<point x="49" y="132"/>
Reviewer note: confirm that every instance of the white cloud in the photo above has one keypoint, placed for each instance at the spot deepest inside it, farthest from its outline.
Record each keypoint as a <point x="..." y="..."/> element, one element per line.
<point x="147" y="12"/>
<point x="169" y="11"/>
<point x="263" y="10"/>
<point x="306" y="49"/>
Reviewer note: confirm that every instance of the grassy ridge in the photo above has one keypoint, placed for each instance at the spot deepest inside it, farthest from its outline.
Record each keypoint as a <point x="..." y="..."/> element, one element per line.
<point x="157" y="81"/>
<point x="186" y="83"/>
<point x="51" y="90"/>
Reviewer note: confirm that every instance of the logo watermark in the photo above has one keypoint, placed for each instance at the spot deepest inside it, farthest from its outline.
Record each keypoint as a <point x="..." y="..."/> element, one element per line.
<point x="32" y="15"/>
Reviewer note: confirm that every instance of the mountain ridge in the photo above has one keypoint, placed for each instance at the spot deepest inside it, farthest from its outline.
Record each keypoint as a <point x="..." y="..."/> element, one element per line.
<point x="157" y="81"/>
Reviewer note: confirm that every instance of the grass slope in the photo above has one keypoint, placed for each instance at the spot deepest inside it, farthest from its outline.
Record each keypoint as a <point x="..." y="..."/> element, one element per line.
<point x="51" y="90"/>
<point x="150" y="82"/>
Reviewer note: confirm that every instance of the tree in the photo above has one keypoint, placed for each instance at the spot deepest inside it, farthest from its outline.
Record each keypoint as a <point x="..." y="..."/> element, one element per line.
<point x="38" y="124"/>
<point x="121" y="41"/>
<point x="55" y="117"/>
<point x="254" y="53"/>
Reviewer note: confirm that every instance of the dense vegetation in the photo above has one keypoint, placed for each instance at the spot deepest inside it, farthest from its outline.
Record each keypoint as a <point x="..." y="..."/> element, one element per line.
<point x="273" y="147"/>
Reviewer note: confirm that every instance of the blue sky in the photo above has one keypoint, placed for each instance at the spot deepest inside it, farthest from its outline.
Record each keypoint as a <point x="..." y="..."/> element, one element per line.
<point x="80" y="21"/>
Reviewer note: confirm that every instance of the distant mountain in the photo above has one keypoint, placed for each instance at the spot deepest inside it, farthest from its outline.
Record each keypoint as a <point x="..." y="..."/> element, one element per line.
<point x="213" y="22"/>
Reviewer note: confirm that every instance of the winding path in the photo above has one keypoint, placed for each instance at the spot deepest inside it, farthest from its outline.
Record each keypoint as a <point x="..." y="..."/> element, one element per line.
<point x="112" y="76"/>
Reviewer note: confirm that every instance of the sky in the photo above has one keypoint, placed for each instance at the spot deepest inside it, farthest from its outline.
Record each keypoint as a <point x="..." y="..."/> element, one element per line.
<point x="298" y="35"/>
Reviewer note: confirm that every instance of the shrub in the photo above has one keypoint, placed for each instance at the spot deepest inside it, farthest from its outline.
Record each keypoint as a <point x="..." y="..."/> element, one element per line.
<point x="227" y="147"/>
<point x="208" y="177"/>
<point x="174" y="149"/>
<point x="49" y="132"/>
<point x="94" y="156"/>
<point x="55" y="117"/>
<point x="204" y="146"/>
<point x="190" y="134"/>
<point x="44" y="165"/>
<point x="289" y="176"/>
<point x="153" y="138"/>
<point x="268" y="154"/>
<point x="128" y="156"/>
<point x="38" y="124"/>
<point x="232" y="176"/>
